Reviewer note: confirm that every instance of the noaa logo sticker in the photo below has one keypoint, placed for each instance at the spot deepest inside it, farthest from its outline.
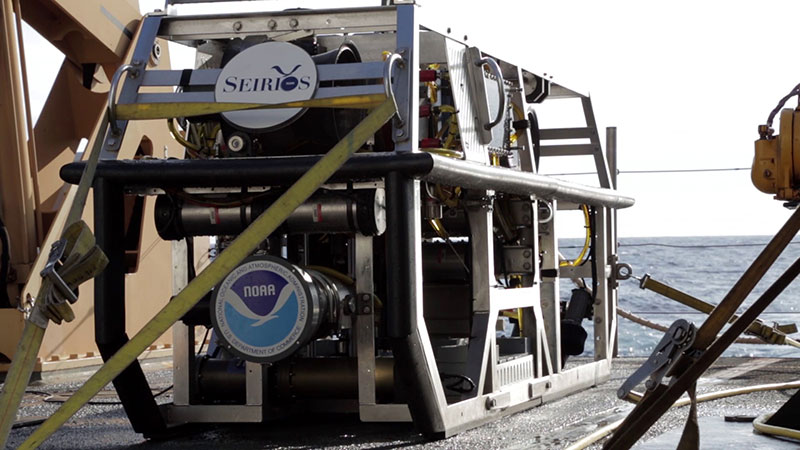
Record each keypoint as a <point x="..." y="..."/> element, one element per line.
<point x="260" y="310"/>
<point x="271" y="72"/>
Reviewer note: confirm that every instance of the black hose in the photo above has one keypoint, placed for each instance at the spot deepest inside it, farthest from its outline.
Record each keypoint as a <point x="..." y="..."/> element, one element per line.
<point x="190" y="258"/>
<point x="535" y="136"/>
<point x="593" y="251"/>
<point x="462" y="385"/>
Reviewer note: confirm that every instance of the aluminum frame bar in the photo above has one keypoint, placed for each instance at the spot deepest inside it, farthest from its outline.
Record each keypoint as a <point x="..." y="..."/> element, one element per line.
<point x="477" y="176"/>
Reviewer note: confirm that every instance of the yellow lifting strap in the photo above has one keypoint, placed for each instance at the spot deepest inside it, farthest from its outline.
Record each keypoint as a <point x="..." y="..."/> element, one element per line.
<point x="147" y="111"/>
<point x="239" y="249"/>
<point x="72" y="260"/>
<point x="773" y="335"/>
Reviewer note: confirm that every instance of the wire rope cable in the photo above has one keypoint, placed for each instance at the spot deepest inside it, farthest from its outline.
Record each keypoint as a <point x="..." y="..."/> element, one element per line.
<point x="655" y="171"/>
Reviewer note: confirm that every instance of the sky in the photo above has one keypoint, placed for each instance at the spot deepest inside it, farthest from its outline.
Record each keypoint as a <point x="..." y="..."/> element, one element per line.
<point x="686" y="83"/>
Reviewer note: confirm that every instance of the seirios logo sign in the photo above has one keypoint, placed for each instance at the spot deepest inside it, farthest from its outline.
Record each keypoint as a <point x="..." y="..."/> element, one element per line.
<point x="284" y="82"/>
<point x="272" y="72"/>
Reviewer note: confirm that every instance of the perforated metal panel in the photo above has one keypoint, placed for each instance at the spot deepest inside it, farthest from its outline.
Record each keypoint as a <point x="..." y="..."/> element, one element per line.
<point x="461" y="96"/>
<point x="514" y="371"/>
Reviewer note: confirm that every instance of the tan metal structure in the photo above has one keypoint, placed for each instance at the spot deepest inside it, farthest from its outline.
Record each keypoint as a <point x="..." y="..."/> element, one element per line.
<point x="95" y="37"/>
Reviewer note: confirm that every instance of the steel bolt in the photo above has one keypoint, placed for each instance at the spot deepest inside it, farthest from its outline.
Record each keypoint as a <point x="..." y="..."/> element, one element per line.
<point x="155" y="54"/>
<point x="526" y="266"/>
<point x="293" y="23"/>
<point x="237" y="26"/>
<point x="272" y="24"/>
<point x="236" y="143"/>
<point x="366" y="310"/>
<point x="526" y="253"/>
<point x="400" y="133"/>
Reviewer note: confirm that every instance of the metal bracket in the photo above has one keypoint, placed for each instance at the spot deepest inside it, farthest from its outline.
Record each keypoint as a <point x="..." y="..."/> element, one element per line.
<point x="677" y="338"/>
<point x="49" y="271"/>
<point x="518" y="259"/>
<point x="623" y="271"/>
<point x="500" y="400"/>
<point x="364" y="304"/>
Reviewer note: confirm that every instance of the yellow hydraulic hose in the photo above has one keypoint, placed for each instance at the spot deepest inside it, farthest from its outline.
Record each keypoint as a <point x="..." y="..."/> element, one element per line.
<point x="177" y="135"/>
<point x="447" y="109"/>
<point x="452" y="126"/>
<point x="239" y="249"/>
<point x="587" y="241"/>
<point x="595" y="436"/>
<point x="343" y="278"/>
<point x="518" y="115"/>
<point x="334" y="274"/>
<point x="761" y="426"/>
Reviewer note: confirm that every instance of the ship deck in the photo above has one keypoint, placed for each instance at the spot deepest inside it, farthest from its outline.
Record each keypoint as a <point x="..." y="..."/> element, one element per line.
<point x="552" y="425"/>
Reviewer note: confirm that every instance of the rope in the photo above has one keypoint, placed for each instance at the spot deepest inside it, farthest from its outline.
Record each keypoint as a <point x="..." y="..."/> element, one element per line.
<point x="774" y="112"/>
<point x="655" y="244"/>
<point x="644" y="322"/>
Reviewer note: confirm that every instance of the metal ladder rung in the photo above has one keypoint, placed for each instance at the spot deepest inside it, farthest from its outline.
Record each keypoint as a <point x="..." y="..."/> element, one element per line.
<point x="569" y="150"/>
<point x="565" y="133"/>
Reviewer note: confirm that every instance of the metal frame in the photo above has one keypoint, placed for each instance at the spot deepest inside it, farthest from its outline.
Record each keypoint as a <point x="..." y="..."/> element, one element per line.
<point x="109" y="310"/>
<point x="503" y="386"/>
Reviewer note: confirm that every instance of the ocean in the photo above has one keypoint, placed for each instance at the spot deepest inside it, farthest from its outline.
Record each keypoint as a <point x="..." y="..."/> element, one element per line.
<point x="704" y="267"/>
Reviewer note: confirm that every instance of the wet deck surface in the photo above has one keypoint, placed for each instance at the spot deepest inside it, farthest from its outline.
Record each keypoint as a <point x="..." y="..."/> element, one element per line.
<point x="553" y="425"/>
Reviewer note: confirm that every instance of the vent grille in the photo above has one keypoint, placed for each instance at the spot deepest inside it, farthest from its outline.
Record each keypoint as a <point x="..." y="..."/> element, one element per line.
<point x="515" y="371"/>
